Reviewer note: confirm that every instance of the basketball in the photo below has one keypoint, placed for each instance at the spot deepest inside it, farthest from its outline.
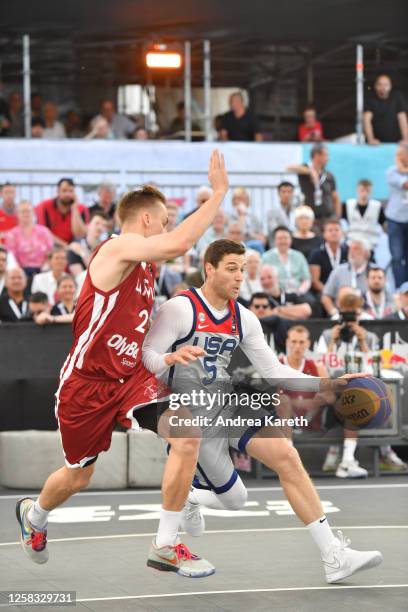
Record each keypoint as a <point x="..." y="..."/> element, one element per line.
<point x="365" y="403"/>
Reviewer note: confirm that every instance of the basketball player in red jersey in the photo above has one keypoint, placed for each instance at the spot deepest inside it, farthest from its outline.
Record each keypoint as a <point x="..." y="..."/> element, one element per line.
<point x="103" y="380"/>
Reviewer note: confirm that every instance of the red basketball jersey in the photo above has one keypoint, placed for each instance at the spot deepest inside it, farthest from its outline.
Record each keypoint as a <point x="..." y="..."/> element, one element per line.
<point x="308" y="367"/>
<point x="109" y="326"/>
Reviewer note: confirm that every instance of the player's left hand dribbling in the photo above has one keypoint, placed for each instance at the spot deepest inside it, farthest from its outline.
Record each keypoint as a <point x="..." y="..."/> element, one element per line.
<point x="337" y="384"/>
<point x="184" y="355"/>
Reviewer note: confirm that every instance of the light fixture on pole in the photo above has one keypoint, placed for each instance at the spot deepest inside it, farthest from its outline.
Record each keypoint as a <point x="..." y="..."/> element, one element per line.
<point x="162" y="57"/>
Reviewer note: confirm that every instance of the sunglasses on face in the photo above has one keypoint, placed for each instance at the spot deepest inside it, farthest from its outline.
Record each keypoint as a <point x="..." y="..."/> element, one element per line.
<point x="258" y="306"/>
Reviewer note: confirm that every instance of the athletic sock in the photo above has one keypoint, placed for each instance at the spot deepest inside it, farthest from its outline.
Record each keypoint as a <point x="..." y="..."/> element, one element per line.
<point x="322" y="534"/>
<point x="349" y="448"/>
<point x="385" y="450"/>
<point x="37" y="516"/>
<point x="168" y="528"/>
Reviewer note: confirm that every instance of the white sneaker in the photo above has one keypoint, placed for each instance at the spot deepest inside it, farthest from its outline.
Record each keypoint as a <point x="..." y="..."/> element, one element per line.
<point x="332" y="459"/>
<point x="351" y="469"/>
<point x="178" y="559"/>
<point x="341" y="561"/>
<point x="34" y="542"/>
<point x="391" y="461"/>
<point x="192" y="520"/>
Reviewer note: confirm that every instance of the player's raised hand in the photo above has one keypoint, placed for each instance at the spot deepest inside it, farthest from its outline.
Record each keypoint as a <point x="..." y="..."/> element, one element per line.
<point x="184" y="355"/>
<point x="217" y="174"/>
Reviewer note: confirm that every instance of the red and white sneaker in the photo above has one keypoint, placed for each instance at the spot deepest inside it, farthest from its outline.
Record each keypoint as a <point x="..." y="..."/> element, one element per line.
<point x="180" y="560"/>
<point x="34" y="542"/>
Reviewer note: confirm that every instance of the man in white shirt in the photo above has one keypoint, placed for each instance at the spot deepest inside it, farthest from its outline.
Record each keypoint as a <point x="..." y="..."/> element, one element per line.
<point x="46" y="282"/>
<point x="210" y="319"/>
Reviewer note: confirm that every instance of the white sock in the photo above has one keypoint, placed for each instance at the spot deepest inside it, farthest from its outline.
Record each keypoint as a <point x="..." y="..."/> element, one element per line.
<point x="385" y="450"/>
<point x="37" y="516"/>
<point x="168" y="528"/>
<point x="205" y="498"/>
<point x="322" y="534"/>
<point x="349" y="448"/>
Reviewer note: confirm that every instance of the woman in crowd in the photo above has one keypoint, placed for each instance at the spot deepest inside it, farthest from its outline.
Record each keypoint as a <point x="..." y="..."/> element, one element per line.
<point x="66" y="289"/>
<point x="251" y="283"/>
<point x="304" y="239"/>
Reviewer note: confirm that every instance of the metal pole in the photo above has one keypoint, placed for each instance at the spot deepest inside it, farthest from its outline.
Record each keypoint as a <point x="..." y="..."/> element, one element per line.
<point x="207" y="90"/>
<point x="359" y="93"/>
<point x="27" y="86"/>
<point x="187" y="91"/>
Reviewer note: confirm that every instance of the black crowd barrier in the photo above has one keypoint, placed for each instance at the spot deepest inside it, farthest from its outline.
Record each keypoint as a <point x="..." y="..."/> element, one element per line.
<point x="31" y="358"/>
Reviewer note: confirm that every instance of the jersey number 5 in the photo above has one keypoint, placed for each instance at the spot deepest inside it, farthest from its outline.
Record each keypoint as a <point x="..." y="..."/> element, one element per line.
<point x="211" y="368"/>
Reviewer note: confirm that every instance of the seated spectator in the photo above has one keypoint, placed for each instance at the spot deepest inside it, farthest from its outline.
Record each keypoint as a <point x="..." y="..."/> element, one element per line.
<point x="73" y="125"/>
<point x="38" y="303"/>
<point x="119" y="125"/>
<point x="364" y="215"/>
<point x="328" y="255"/>
<point x="165" y="280"/>
<point x="13" y="125"/>
<point x="178" y="122"/>
<point x="397" y="215"/>
<point x="310" y="130"/>
<point x="235" y="232"/>
<point x="282" y="214"/>
<point x="36" y="105"/>
<point x="99" y="129"/>
<point x="179" y="289"/>
<point x="304" y="239"/>
<point x="37" y="127"/>
<point x="351" y="274"/>
<point x="54" y="129"/>
<point x="275" y="327"/>
<point x="13" y="304"/>
<point x="251" y="282"/>
<point x="254" y="237"/>
<point x="141" y="134"/>
<point x="3" y="268"/>
<point x="64" y="216"/>
<point x="292" y="268"/>
<point x="385" y="117"/>
<point x="106" y="203"/>
<point x="66" y="293"/>
<point x="287" y="305"/>
<point x="318" y="185"/>
<point x="215" y="232"/>
<point x="239" y="123"/>
<point x="8" y="208"/>
<point x="47" y="281"/>
<point x="402" y="312"/>
<point x="80" y="251"/>
<point x="30" y="243"/>
<point x="203" y="194"/>
<point x="378" y="301"/>
<point x="172" y="214"/>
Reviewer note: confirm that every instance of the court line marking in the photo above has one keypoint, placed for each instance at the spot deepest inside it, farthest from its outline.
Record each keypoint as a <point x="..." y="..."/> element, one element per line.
<point x="356" y="486"/>
<point x="116" y="536"/>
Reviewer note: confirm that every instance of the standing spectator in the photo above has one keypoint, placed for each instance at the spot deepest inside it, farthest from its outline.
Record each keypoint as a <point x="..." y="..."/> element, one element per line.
<point x="284" y="212"/>
<point x="293" y="271"/>
<point x="3" y="268"/>
<point x="318" y="184"/>
<point x="66" y="293"/>
<point x="30" y="243"/>
<point x="215" y="232"/>
<point x="203" y="194"/>
<point x="351" y="274"/>
<point x="364" y="215"/>
<point x="73" y="125"/>
<point x="304" y="239"/>
<point x="287" y="305"/>
<point x="15" y="119"/>
<point x="8" y="216"/>
<point x="385" y="117"/>
<point x="251" y="282"/>
<point x="239" y="123"/>
<point x="328" y="255"/>
<point x="254" y="237"/>
<point x="54" y="129"/>
<point x="311" y="130"/>
<point x="120" y="126"/>
<point x="64" y="215"/>
<point x="47" y="282"/>
<point x="80" y="251"/>
<point x="378" y="302"/>
<point x="396" y="213"/>
<point x="13" y="305"/>
<point x="106" y="203"/>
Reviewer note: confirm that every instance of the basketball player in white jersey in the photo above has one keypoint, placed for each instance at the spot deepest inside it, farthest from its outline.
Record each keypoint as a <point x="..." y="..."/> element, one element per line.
<point x="210" y="319"/>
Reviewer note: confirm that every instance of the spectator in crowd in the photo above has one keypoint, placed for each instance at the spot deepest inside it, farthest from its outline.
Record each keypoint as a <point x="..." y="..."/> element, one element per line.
<point x="385" y="117"/>
<point x="8" y="208"/>
<point x="203" y="194"/>
<point x="304" y="239"/>
<point x="251" y="282"/>
<point x="235" y="232"/>
<point x="378" y="302"/>
<point x="38" y="303"/>
<point x="318" y="184"/>
<point x="15" y="120"/>
<point x="119" y="125"/>
<point x="351" y="274"/>
<point x="254" y="237"/>
<point x="99" y="129"/>
<point x="287" y="305"/>
<point x="80" y="251"/>
<point x="364" y="215"/>
<point x="37" y="127"/>
<point x="328" y="255"/>
<point x="292" y="268"/>
<point x="64" y="216"/>
<point x="47" y="282"/>
<point x="275" y="327"/>
<point x="284" y="212"/>
<point x="165" y="280"/>
<point x="3" y="268"/>
<point x="30" y="243"/>
<point x="66" y="293"/>
<point x="73" y="125"/>
<point x="260" y="305"/>
<point x="178" y="122"/>
<point x="179" y="289"/>
<point x="239" y="123"/>
<point x="310" y="130"/>
<point x="105" y="203"/>
<point x="172" y="214"/>
<point x="13" y="304"/>
<point x="402" y="313"/>
<point x="141" y="134"/>
<point x="397" y="215"/>
<point x="215" y="232"/>
<point x="36" y="105"/>
<point x="54" y="129"/>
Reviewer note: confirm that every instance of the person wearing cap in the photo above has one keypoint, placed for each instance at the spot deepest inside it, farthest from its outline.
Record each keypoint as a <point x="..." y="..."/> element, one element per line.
<point x="304" y="239"/>
<point x="397" y="215"/>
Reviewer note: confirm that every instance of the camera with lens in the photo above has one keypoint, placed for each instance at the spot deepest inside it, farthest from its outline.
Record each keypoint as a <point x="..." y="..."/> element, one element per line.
<point x="346" y="332"/>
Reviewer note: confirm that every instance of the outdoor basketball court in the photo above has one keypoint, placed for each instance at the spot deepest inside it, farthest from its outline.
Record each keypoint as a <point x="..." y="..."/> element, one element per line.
<point x="265" y="558"/>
